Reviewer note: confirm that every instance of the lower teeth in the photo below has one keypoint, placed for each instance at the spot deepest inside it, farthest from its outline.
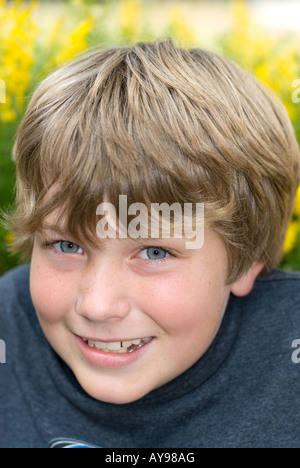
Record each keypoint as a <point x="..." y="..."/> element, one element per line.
<point x="131" y="349"/>
<point x="134" y="348"/>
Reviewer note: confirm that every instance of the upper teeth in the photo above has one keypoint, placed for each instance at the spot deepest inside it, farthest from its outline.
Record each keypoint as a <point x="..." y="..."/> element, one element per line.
<point x="116" y="346"/>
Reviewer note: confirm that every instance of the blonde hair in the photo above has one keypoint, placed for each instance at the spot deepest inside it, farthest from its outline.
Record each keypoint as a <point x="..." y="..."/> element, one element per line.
<point x="159" y="124"/>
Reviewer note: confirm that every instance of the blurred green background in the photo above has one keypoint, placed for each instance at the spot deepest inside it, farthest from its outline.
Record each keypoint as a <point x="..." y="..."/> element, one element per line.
<point x="36" y="36"/>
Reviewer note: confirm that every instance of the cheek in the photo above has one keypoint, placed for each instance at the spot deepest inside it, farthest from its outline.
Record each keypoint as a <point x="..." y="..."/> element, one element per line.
<point x="187" y="304"/>
<point x="52" y="295"/>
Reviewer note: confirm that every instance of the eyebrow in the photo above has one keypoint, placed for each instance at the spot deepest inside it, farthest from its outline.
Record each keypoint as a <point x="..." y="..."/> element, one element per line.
<point x="57" y="229"/>
<point x="61" y="231"/>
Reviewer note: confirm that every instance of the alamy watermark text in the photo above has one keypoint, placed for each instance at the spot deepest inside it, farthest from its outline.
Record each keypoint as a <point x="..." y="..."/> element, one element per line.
<point x="2" y="352"/>
<point x="163" y="221"/>
<point x="296" y="353"/>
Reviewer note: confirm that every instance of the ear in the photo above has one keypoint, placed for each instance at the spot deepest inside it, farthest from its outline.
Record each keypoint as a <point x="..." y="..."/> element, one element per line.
<point x="244" y="285"/>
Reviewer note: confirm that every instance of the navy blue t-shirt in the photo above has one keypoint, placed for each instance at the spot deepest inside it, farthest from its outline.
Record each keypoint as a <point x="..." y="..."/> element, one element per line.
<point x="244" y="392"/>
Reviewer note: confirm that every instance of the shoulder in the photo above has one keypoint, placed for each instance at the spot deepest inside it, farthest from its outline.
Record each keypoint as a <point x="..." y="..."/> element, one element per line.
<point x="14" y="293"/>
<point x="277" y="296"/>
<point x="16" y="280"/>
<point x="280" y="285"/>
<point x="280" y="276"/>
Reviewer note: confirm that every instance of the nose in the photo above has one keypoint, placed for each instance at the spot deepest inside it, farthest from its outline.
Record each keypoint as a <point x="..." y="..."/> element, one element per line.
<point x="104" y="294"/>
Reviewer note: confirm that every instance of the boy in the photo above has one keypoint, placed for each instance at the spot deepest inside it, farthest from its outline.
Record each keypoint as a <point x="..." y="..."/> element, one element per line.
<point x="139" y="341"/>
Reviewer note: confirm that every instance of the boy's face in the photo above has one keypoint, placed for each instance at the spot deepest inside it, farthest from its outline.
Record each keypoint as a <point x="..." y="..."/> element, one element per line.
<point x="128" y="291"/>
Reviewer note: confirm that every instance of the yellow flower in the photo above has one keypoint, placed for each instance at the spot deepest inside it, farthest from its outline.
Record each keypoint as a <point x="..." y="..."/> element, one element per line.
<point x="17" y="44"/>
<point x="130" y="19"/>
<point x="291" y="236"/>
<point x="8" y="116"/>
<point x="240" y="13"/>
<point x="77" y="40"/>
<point x="10" y="238"/>
<point x="181" y="29"/>
<point x="297" y="203"/>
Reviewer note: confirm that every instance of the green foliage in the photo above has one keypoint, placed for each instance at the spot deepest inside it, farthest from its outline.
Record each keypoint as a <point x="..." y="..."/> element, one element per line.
<point x="35" y="38"/>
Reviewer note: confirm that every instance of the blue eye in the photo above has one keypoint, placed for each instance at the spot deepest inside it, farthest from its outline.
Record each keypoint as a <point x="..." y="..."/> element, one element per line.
<point x="154" y="253"/>
<point x="67" y="247"/>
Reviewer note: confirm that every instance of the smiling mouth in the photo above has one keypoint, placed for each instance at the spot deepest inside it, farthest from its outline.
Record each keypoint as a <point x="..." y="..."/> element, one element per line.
<point x="118" y="347"/>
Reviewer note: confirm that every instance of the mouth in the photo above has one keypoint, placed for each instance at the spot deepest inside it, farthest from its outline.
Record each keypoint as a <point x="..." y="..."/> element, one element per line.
<point x="118" y="347"/>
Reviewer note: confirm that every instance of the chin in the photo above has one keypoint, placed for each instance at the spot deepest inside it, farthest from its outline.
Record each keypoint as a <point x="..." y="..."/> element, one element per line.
<point x="117" y="393"/>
